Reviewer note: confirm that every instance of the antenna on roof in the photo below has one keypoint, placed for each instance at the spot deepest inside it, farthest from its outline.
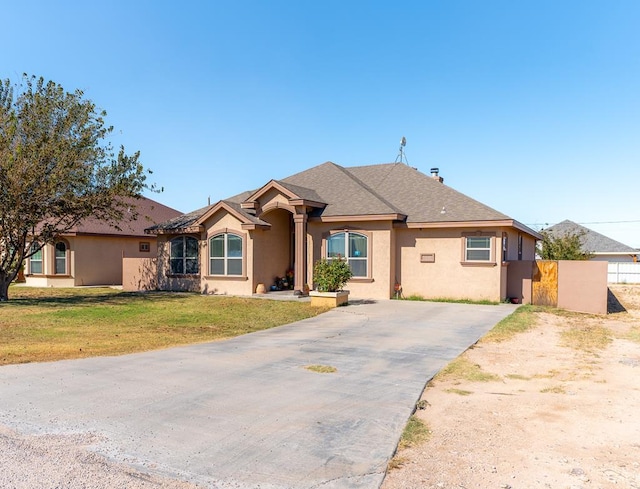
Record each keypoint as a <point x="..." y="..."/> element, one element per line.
<point x="402" y="158"/>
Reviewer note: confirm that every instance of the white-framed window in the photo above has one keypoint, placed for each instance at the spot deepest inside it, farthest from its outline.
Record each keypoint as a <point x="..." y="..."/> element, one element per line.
<point x="184" y="256"/>
<point x="60" y="254"/>
<point x="352" y="246"/>
<point x="225" y="254"/>
<point x="36" y="261"/>
<point x="477" y="248"/>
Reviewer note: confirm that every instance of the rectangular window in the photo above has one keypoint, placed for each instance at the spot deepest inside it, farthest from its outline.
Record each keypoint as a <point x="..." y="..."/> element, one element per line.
<point x="145" y="246"/>
<point x="225" y="255"/>
<point x="61" y="258"/>
<point x="478" y="248"/>
<point x="505" y="246"/>
<point x="350" y="246"/>
<point x="519" y="246"/>
<point x="35" y="262"/>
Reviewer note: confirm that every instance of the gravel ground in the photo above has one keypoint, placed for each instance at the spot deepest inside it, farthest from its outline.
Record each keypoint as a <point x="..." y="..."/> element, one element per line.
<point x="66" y="461"/>
<point x="557" y="417"/>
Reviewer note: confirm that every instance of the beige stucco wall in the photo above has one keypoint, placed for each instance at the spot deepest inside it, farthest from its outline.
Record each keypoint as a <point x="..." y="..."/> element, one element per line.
<point x="139" y="274"/>
<point x="272" y="248"/>
<point x="582" y="286"/>
<point x="519" y="280"/>
<point x="446" y="277"/>
<point x="91" y="260"/>
<point x="379" y="284"/>
<point x="98" y="259"/>
<point x="222" y="221"/>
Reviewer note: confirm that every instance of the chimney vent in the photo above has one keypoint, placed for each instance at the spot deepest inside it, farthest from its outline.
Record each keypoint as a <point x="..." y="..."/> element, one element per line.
<point x="435" y="176"/>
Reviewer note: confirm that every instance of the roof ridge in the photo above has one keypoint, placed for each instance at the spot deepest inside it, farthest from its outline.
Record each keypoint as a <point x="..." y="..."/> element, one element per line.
<point x="369" y="189"/>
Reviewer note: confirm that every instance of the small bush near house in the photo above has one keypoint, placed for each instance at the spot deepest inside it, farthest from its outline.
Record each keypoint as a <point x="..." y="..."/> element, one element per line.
<point x="331" y="275"/>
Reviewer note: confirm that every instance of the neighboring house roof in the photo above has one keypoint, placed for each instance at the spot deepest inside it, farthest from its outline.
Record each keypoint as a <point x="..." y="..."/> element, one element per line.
<point x="592" y="241"/>
<point x="386" y="191"/>
<point x="149" y="213"/>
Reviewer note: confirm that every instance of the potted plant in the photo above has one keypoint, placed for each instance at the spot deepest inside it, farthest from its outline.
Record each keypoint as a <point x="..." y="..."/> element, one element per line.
<point x="330" y="277"/>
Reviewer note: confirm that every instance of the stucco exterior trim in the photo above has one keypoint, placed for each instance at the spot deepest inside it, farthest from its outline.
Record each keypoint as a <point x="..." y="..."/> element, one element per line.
<point x="359" y="218"/>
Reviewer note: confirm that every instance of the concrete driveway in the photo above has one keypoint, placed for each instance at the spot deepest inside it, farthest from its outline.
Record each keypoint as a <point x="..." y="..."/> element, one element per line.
<point x="245" y="413"/>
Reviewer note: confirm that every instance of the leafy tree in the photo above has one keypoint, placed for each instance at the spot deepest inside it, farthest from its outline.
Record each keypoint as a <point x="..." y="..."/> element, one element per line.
<point x="57" y="168"/>
<point x="567" y="246"/>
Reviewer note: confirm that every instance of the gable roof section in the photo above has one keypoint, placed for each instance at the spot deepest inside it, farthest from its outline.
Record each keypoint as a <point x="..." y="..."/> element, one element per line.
<point x="149" y="213"/>
<point x="392" y="191"/>
<point x="192" y="222"/>
<point x="343" y="193"/>
<point x="249" y="221"/>
<point x="294" y="193"/>
<point x="592" y="241"/>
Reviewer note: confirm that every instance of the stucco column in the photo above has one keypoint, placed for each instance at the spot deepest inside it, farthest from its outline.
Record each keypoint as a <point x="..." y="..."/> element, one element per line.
<point x="300" y="265"/>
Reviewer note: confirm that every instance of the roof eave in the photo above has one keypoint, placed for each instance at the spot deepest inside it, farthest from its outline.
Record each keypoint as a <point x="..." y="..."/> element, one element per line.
<point x="307" y="203"/>
<point x="253" y="226"/>
<point x="360" y="218"/>
<point x="197" y="229"/>
<point x="471" y="224"/>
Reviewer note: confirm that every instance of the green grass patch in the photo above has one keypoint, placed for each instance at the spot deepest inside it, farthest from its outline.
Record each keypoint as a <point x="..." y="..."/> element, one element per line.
<point x="460" y="392"/>
<point x="586" y="338"/>
<point x="415" y="433"/>
<point x="45" y="324"/>
<point x="558" y="389"/>
<point x="321" y="369"/>
<point x="463" y="369"/>
<point x="417" y="297"/>
<point x="521" y="320"/>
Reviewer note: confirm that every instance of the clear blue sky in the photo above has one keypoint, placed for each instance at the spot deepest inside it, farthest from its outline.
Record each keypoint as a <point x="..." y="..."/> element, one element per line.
<point x="532" y="107"/>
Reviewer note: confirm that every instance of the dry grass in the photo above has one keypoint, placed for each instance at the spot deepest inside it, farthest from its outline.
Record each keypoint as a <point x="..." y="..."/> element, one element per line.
<point x="321" y="369"/>
<point x="462" y="369"/>
<point x="521" y="320"/>
<point x="586" y="337"/>
<point x="54" y="324"/>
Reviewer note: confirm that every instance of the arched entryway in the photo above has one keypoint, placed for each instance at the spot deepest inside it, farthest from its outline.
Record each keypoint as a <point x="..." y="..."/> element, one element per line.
<point x="280" y="251"/>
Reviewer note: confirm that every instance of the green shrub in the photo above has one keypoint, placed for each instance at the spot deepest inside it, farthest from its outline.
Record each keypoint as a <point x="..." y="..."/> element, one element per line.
<point x="331" y="275"/>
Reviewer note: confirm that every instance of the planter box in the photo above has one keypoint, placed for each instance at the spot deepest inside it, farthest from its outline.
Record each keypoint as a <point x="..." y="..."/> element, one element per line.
<point x="329" y="299"/>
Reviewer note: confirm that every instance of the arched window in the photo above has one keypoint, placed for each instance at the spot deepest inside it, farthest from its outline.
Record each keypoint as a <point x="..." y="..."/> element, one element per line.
<point x="225" y="254"/>
<point x="353" y="247"/>
<point x="61" y="258"/>
<point x="35" y="262"/>
<point x="184" y="256"/>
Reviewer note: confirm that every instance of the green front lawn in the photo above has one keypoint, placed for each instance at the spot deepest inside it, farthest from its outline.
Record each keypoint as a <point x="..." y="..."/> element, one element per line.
<point x="39" y="324"/>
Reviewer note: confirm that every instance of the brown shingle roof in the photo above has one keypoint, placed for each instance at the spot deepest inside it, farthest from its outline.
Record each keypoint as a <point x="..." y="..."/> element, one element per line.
<point x="374" y="190"/>
<point x="344" y="194"/>
<point x="420" y="197"/>
<point x="149" y="213"/>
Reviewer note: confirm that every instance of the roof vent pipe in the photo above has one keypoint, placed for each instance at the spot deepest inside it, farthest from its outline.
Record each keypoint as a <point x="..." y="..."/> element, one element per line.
<point x="435" y="176"/>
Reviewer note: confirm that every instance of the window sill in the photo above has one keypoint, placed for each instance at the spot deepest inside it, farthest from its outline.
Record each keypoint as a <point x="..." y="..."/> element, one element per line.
<point x="360" y="280"/>
<point x="43" y="275"/>
<point x="478" y="263"/>
<point x="239" y="278"/>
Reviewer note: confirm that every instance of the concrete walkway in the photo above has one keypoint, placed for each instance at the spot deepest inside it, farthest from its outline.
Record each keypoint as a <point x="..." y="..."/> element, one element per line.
<point x="245" y="413"/>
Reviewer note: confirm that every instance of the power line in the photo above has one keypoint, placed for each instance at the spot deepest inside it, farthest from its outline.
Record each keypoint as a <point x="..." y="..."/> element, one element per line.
<point x="596" y="222"/>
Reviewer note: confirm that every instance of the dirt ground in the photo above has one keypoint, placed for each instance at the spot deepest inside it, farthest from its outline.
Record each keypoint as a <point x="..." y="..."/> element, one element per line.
<point x="563" y="413"/>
